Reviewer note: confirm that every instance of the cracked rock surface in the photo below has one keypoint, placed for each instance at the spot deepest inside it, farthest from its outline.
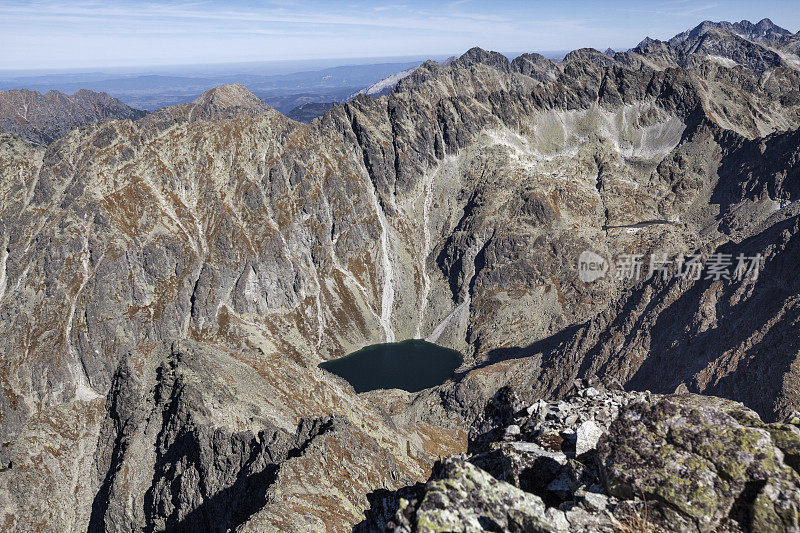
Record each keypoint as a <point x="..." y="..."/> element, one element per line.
<point x="169" y="284"/>
<point x="678" y="462"/>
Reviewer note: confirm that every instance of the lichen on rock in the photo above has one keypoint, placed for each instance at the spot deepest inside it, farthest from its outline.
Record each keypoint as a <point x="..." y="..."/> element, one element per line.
<point x="678" y="462"/>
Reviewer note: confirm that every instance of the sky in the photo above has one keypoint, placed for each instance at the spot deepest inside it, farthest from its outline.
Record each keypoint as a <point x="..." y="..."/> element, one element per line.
<point x="50" y="34"/>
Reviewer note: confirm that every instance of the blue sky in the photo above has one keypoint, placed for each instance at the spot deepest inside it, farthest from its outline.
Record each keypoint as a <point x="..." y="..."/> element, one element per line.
<point x="91" y="33"/>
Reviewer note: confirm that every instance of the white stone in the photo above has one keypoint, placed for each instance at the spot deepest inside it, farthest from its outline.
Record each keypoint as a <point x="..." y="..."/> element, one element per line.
<point x="530" y="447"/>
<point x="557" y="519"/>
<point x="595" y="502"/>
<point x="588" y="434"/>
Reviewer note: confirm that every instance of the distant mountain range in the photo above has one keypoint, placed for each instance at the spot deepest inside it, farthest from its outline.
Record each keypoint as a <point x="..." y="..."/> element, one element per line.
<point x="281" y="91"/>
<point x="757" y="46"/>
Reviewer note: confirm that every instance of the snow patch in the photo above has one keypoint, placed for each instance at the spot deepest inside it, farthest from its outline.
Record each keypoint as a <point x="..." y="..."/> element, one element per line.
<point x="724" y="61"/>
<point x="387" y="83"/>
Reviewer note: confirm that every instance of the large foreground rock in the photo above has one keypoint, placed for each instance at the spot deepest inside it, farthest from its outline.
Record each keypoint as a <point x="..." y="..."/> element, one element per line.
<point x="462" y="497"/>
<point x="667" y="463"/>
<point x="703" y="461"/>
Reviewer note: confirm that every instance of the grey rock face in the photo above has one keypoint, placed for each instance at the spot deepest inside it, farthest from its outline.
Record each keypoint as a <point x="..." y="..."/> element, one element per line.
<point x="790" y="44"/>
<point x="43" y="118"/>
<point x="478" y="56"/>
<point x="461" y="497"/>
<point x="664" y="463"/>
<point x="179" y="278"/>
<point x="589" y="55"/>
<point x="704" y="457"/>
<point x="586" y="437"/>
<point x="536" y="66"/>
<point x="201" y="474"/>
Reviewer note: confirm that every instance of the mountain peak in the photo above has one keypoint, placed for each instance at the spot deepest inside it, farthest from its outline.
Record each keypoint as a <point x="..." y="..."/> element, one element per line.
<point x="231" y="95"/>
<point x="644" y="42"/>
<point x="590" y="55"/>
<point x="534" y="65"/>
<point x="477" y="55"/>
<point x="767" y="23"/>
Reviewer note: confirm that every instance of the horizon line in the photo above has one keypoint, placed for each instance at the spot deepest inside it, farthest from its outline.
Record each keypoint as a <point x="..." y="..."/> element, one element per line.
<point x="106" y="69"/>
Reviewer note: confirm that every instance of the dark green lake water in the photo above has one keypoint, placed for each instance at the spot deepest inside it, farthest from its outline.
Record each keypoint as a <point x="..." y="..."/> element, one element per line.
<point x="410" y="365"/>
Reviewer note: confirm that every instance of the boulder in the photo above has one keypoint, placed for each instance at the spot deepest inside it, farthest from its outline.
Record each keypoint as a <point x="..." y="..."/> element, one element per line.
<point x="705" y="459"/>
<point x="462" y="497"/>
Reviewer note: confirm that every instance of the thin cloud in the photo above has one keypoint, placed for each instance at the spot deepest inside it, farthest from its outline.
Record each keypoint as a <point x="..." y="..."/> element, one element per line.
<point x="93" y="32"/>
<point x="688" y="12"/>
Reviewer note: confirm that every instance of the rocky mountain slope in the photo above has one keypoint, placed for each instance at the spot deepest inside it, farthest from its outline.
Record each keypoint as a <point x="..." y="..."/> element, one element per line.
<point x="385" y="85"/>
<point x="43" y="118"/>
<point x="169" y="284"/>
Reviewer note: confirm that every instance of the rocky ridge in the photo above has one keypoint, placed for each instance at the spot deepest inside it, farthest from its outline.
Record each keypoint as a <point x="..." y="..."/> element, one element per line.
<point x="43" y="118"/>
<point x="763" y="32"/>
<point x="758" y="47"/>
<point x="385" y="85"/>
<point x="609" y="460"/>
<point x="168" y="285"/>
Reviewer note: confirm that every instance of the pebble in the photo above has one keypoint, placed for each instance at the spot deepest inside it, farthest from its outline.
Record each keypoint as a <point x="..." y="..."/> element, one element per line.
<point x="512" y="431"/>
